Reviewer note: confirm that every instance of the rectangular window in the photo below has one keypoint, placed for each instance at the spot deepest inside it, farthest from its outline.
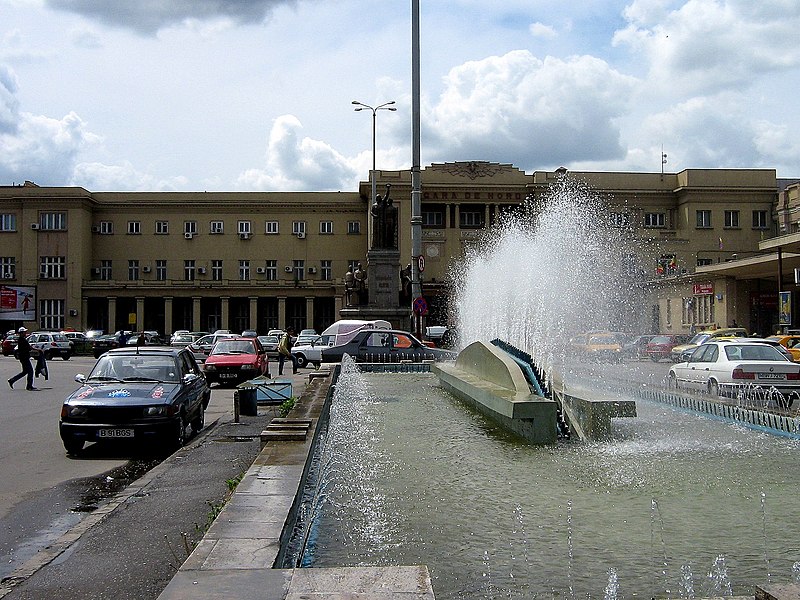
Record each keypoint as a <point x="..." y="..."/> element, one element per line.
<point x="669" y="311"/>
<point x="243" y="227"/>
<point x="216" y="227"/>
<point x="732" y="219"/>
<point x="189" y="270"/>
<point x="51" y="314"/>
<point x="53" y="221"/>
<point x="162" y="227"/>
<point x="325" y="270"/>
<point x="703" y="219"/>
<point x="8" y="267"/>
<point x="271" y="271"/>
<point x="106" y="227"/>
<point x="352" y="265"/>
<point x="161" y="269"/>
<point x="52" y="267"/>
<point x="655" y="220"/>
<point x="133" y="270"/>
<point x="353" y="227"/>
<point x="470" y="217"/>
<point x="760" y="220"/>
<point x="433" y="215"/>
<point x="216" y="270"/>
<point x="134" y="227"/>
<point x="271" y="228"/>
<point x="326" y="227"/>
<point x="190" y="227"/>
<point x="244" y="270"/>
<point x="105" y="270"/>
<point x="299" y="270"/>
<point x="298" y="227"/>
<point x="8" y="222"/>
<point x="702" y="262"/>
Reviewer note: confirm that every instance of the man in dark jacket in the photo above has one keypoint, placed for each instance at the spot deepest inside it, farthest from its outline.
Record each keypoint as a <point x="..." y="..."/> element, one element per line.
<point x="24" y="357"/>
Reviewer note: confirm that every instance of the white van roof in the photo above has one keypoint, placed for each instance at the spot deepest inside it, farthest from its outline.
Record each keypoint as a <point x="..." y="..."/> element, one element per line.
<point x="348" y="325"/>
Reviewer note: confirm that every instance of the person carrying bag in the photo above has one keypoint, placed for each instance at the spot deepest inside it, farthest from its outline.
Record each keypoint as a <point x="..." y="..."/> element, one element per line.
<point x="24" y="356"/>
<point x="285" y="351"/>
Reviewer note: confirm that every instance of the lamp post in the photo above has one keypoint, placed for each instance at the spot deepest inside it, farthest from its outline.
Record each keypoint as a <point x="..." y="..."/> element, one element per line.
<point x="374" y="109"/>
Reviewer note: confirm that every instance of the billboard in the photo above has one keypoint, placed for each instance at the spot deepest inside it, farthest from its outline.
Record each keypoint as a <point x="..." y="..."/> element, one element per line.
<point x="18" y="303"/>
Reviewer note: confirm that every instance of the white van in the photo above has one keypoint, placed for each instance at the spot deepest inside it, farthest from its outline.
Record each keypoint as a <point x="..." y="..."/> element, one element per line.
<point x="345" y="330"/>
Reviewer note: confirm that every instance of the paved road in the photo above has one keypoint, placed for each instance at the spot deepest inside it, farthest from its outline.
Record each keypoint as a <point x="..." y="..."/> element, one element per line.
<point x="46" y="495"/>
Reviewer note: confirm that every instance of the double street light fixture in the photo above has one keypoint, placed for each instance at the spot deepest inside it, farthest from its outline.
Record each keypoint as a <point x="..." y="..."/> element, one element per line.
<point x="374" y="109"/>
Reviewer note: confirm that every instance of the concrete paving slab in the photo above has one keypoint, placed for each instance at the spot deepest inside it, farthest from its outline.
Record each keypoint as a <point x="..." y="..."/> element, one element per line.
<point x="256" y="584"/>
<point x="362" y="582"/>
<point x="241" y="554"/>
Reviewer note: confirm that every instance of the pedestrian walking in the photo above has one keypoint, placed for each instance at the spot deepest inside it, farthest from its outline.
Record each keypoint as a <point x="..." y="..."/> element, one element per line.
<point x="285" y="351"/>
<point x="24" y="358"/>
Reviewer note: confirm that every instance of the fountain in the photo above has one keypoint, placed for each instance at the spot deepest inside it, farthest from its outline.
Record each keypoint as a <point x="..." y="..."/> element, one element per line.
<point x="411" y="475"/>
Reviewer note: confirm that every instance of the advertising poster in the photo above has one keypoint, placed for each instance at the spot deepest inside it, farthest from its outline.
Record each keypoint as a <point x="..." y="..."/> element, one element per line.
<point x="785" y="306"/>
<point x="17" y="303"/>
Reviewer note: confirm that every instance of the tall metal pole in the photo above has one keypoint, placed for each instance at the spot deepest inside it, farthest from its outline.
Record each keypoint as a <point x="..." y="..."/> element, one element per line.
<point x="372" y="176"/>
<point x="416" y="183"/>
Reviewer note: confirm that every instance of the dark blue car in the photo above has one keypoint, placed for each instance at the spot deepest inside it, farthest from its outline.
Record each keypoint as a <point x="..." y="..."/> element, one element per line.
<point x="136" y="394"/>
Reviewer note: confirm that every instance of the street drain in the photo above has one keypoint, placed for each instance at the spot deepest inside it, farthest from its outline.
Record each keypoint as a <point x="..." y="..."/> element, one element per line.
<point x="235" y="438"/>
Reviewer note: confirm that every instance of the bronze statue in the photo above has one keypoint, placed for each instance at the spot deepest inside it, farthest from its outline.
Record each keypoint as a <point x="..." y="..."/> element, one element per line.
<point x="384" y="221"/>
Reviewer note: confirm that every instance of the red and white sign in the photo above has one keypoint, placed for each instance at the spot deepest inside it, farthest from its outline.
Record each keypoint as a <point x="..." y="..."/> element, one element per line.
<point x="703" y="289"/>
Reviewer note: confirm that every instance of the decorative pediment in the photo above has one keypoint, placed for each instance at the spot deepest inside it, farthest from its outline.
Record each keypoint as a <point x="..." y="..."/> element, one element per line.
<point x="473" y="169"/>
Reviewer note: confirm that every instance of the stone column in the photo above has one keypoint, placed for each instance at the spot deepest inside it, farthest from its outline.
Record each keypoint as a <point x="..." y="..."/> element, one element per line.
<point x="309" y="312"/>
<point x="139" y="313"/>
<point x="112" y="314"/>
<point x="225" y="312"/>
<point x="281" y="312"/>
<point x="253" y="312"/>
<point x="196" y="314"/>
<point x="167" y="316"/>
<point x="84" y="312"/>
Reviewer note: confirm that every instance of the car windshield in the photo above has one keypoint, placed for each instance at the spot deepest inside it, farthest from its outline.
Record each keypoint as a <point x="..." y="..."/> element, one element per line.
<point x="661" y="339"/>
<point x="233" y="347"/>
<point x="753" y="352"/>
<point x="135" y="367"/>
<point x="699" y="338"/>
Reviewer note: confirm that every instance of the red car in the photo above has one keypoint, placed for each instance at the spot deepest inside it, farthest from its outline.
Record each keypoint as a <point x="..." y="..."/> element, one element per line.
<point x="660" y="346"/>
<point x="234" y="360"/>
<point x="8" y="344"/>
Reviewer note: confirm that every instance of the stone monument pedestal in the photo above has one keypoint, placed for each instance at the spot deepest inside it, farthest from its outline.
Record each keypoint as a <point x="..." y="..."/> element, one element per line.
<point x="383" y="285"/>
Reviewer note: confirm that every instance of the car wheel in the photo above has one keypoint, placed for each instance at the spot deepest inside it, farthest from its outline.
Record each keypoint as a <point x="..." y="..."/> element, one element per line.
<point x="73" y="446"/>
<point x="66" y="356"/>
<point x="179" y="438"/>
<point x="200" y="420"/>
<point x="713" y="387"/>
<point x="302" y="361"/>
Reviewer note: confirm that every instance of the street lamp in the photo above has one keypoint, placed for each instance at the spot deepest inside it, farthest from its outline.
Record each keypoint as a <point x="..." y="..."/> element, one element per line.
<point x="374" y="109"/>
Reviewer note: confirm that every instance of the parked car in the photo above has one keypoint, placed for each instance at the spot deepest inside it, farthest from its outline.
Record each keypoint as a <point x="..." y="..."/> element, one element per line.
<point x="270" y="344"/>
<point x="723" y="367"/>
<point x="660" y="346"/>
<point x="9" y="343"/>
<point x="701" y="338"/>
<point x="181" y="340"/>
<point x="51" y="343"/>
<point x="234" y="360"/>
<point x="602" y="346"/>
<point x="385" y="345"/>
<point x="136" y="394"/>
<point x="80" y="343"/>
<point x="635" y="347"/>
<point x="201" y="347"/>
<point x="311" y="352"/>
<point x="790" y="342"/>
<point x="103" y="343"/>
<point x="250" y="333"/>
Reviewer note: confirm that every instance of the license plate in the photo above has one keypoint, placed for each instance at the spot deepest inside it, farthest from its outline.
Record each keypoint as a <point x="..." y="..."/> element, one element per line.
<point x="115" y="433"/>
<point x="771" y="376"/>
<point x="227" y="375"/>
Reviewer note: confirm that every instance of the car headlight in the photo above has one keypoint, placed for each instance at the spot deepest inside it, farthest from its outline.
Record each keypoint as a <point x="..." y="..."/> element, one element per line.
<point x="73" y="411"/>
<point x="208" y="367"/>
<point x="164" y="410"/>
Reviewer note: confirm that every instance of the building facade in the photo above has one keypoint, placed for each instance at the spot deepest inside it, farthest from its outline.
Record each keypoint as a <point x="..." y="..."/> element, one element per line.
<point x="240" y="260"/>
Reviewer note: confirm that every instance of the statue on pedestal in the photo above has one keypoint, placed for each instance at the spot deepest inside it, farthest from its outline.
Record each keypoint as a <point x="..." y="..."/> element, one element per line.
<point x="384" y="222"/>
<point x="360" y="282"/>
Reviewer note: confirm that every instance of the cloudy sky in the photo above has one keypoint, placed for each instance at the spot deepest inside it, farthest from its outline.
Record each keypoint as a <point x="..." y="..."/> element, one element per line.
<point x="256" y="94"/>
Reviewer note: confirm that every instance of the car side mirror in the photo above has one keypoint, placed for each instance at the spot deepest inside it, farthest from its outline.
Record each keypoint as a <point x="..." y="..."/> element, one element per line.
<point x="189" y="378"/>
<point x="80" y="378"/>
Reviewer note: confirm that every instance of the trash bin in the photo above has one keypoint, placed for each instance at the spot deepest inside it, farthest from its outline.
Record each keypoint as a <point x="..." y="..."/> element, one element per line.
<point x="248" y="404"/>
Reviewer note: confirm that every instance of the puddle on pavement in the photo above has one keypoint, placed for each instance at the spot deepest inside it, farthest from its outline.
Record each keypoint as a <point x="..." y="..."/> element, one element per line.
<point x="102" y="487"/>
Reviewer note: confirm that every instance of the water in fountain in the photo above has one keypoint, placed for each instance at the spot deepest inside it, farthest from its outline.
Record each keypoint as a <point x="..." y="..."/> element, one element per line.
<point x="419" y="478"/>
<point x="552" y="270"/>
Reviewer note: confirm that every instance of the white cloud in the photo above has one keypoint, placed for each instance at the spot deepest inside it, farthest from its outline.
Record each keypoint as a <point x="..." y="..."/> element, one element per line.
<point x="519" y="108"/>
<point x="540" y="30"/>
<point x="298" y="163"/>
<point x="96" y="176"/>
<point x="9" y="105"/>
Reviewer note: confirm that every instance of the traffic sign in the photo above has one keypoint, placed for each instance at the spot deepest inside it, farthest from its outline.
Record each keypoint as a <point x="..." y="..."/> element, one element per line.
<point x="421" y="263"/>
<point x="420" y="306"/>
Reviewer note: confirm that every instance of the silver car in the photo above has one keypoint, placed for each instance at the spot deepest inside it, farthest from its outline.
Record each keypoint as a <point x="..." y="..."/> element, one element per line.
<point x="51" y="343"/>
